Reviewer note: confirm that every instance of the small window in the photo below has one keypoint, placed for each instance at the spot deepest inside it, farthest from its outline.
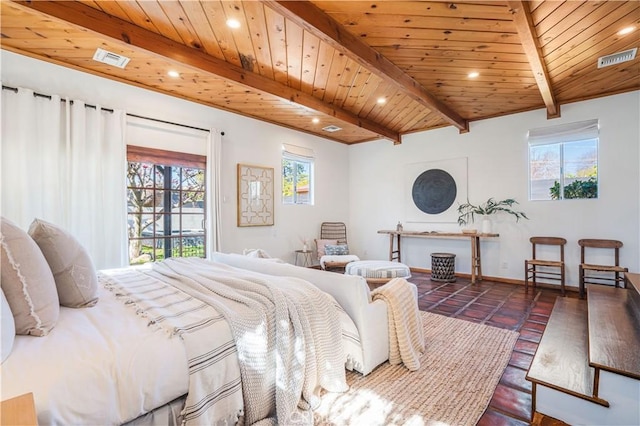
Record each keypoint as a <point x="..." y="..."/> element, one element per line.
<point x="165" y="204"/>
<point x="563" y="162"/>
<point x="297" y="178"/>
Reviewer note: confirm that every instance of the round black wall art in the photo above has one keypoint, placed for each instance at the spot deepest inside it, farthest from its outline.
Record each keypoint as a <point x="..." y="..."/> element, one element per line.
<point x="434" y="191"/>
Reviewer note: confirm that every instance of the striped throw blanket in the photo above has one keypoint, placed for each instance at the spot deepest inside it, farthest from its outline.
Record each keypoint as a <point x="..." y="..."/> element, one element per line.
<point x="284" y="332"/>
<point x="406" y="337"/>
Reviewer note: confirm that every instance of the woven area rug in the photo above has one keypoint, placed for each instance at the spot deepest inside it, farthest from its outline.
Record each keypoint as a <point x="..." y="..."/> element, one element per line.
<point x="459" y="371"/>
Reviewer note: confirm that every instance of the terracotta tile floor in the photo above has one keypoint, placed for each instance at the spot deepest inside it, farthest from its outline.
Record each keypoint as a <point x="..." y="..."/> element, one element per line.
<point x="505" y="306"/>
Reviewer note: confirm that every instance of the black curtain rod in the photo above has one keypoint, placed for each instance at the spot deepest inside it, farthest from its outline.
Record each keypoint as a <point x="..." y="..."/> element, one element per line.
<point x="167" y="122"/>
<point x="15" y="89"/>
<point x="41" y="95"/>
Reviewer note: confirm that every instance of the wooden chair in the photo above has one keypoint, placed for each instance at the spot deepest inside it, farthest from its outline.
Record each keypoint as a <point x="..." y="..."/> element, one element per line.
<point x="616" y="269"/>
<point x="335" y="231"/>
<point x="535" y="268"/>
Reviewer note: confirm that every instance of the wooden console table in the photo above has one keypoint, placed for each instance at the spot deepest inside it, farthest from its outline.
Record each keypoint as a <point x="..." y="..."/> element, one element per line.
<point x="476" y="264"/>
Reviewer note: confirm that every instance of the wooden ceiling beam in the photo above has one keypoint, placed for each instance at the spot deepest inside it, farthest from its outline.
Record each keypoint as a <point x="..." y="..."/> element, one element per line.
<point x="115" y="28"/>
<point x="530" y="44"/>
<point x="318" y="23"/>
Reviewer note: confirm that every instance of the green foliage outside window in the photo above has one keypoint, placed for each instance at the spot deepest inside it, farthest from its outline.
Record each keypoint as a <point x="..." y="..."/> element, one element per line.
<point x="577" y="189"/>
<point x="296" y="181"/>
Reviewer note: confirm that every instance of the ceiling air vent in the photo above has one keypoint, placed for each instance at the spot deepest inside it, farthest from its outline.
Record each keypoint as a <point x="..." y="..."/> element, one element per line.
<point x="110" y="58"/>
<point x="331" y="128"/>
<point x="617" y="58"/>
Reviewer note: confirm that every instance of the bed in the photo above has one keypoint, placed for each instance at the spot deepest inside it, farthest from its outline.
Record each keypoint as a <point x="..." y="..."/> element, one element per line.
<point x="129" y="352"/>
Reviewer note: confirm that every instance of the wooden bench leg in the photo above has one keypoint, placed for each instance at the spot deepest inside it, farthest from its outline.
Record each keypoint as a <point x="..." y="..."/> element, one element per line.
<point x="581" y="282"/>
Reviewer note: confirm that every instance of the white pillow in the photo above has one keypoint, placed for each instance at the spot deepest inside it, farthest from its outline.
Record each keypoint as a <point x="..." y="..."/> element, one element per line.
<point x="8" y="328"/>
<point x="256" y="253"/>
<point x="27" y="282"/>
<point x="73" y="271"/>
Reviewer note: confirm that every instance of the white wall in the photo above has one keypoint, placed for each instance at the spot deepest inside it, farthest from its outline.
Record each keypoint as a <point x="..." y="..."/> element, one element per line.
<point x="245" y="141"/>
<point x="497" y="155"/>
<point x="364" y="184"/>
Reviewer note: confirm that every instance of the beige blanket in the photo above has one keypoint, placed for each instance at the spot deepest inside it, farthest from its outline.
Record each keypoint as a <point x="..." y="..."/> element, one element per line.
<point x="285" y="331"/>
<point x="406" y="338"/>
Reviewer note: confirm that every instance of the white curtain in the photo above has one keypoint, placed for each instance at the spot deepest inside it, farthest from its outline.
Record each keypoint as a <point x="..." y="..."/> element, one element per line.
<point x="214" y="206"/>
<point x="65" y="163"/>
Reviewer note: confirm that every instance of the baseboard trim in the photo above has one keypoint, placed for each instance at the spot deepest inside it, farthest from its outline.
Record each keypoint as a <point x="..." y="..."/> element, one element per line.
<point x="501" y="280"/>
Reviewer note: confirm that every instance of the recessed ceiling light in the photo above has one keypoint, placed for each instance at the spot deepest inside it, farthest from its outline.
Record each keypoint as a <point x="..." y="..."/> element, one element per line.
<point x="315" y="120"/>
<point x="332" y="128"/>
<point x="626" y="30"/>
<point x="473" y="74"/>
<point x="233" y="23"/>
<point x="173" y="73"/>
<point x="382" y="101"/>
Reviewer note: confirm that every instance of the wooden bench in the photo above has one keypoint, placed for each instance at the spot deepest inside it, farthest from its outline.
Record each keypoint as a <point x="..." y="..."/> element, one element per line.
<point x="561" y="361"/>
<point x="586" y="343"/>
<point x="614" y="330"/>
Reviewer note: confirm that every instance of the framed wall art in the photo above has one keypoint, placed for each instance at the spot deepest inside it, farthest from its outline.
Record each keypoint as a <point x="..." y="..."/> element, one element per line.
<point x="434" y="190"/>
<point x="255" y="195"/>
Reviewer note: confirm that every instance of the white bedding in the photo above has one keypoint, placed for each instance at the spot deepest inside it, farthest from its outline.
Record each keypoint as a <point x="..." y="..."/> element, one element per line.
<point x="99" y="366"/>
<point x="103" y="365"/>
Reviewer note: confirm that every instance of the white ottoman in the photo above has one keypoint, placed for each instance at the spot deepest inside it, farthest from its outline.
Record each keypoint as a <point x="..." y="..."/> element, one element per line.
<point x="378" y="272"/>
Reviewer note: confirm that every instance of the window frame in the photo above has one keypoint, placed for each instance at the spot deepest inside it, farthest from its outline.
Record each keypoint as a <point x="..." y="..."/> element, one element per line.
<point x="564" y="137"/>
<point x="158" y="157"/>
<point x="287" y="156"/>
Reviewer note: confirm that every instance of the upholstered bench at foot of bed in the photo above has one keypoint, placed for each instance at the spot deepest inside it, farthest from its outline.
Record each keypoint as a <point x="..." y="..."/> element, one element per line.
<point x="378" y="272"/>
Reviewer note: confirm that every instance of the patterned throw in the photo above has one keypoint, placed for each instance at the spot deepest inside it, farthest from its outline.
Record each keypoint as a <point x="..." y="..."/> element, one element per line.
<point x="406" y="336"/>
<point x="284" y="330"/>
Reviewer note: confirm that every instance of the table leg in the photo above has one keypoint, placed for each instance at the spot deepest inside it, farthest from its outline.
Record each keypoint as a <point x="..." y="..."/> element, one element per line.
<point x="479" y="262"/>
<point x="476" y="264"/>
<point x="390" y="247"/>
<point x="473" y="260"/>
<point x="394" y="254"/>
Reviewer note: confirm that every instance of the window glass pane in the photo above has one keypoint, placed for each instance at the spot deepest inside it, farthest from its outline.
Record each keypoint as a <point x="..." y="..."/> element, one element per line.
<point x="144" y="249"/>
<point x="296" y="181"/>
<point x="287" y="181"/>
<point x="192" y="223"/>
<point x="175" y="177"/>
<point x="581" y="169"/>
<point x="155" y="232"/>
<point x="159" y="176"/>
<point x="544" y="170"/>
<point x="564" y="170"/>
<point x="192" y="178"/>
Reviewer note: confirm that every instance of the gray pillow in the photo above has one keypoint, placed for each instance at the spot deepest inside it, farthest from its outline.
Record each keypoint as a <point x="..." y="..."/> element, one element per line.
<point x="27" y="282"/>
<point x="8" y="328"/>
<point x="73" y="271"/>
<point x="336" y="250"/>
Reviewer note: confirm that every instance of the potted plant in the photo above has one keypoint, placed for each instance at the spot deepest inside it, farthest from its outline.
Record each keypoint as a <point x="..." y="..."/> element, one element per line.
<point x="467" y="212"/>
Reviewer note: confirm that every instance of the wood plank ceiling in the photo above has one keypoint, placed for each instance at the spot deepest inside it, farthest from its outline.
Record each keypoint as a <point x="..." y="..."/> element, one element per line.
<point x="376" y="69"/>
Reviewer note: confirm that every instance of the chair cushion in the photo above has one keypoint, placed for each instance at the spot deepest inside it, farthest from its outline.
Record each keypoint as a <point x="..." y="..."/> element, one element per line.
<point x="320" y="245"/>
<point x="604" y="268"/>
<point x="336" y="249"/>
<point x="378" y="269"/>
<point x="337" y="260"/>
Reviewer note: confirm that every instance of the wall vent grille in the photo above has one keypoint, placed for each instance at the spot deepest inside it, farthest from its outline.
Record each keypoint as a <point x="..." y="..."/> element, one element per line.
<point x="617" y="58"/>
<point x="110" y="58"/>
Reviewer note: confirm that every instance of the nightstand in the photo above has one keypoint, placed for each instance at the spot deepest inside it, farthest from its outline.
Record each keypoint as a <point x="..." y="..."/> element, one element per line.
<point x="19" y="411"/>
<point x="307" y="260"/>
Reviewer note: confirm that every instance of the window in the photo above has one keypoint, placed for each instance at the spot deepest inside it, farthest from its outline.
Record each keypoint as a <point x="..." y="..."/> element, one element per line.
<point x="165" y="204"/>
<point x="297" y="175"/>
<point x="563" y="161"/>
